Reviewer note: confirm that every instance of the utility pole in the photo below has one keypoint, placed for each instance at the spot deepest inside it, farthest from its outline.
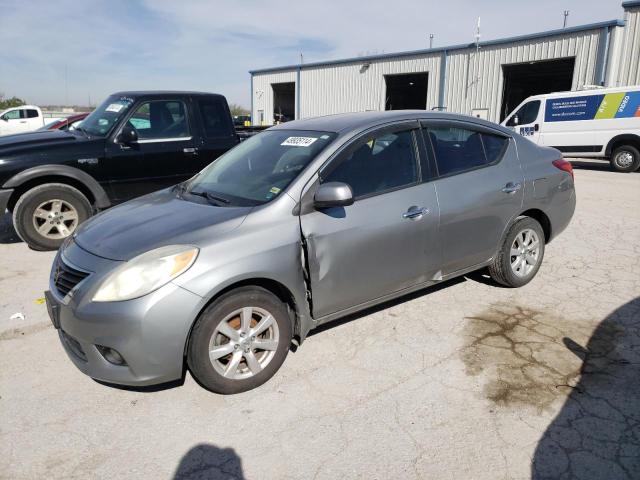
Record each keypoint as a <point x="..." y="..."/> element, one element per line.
<point x="66" y="86"/>
<point x="566" y="14"/>
<point x="478" y="51"/>
<point x="301" y="58"/>
<point x="431" y="40"/>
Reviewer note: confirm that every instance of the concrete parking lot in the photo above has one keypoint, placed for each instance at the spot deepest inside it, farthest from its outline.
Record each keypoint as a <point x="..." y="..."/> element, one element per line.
<point x="465" y="380"/>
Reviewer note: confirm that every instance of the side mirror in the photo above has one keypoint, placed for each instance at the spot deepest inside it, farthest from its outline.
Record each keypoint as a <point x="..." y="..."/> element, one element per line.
<point x="333" y="194"/>
<point x="128" y="135"/>
<point x="516" y="120"/>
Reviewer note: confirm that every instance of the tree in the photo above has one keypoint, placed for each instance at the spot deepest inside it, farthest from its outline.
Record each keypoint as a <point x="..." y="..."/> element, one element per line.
<point x="10" y="102"/>
<point x="237" y="109"/>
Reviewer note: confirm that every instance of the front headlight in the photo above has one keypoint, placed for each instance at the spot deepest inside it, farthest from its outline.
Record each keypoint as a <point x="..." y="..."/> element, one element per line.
<point x="146" y="273"/>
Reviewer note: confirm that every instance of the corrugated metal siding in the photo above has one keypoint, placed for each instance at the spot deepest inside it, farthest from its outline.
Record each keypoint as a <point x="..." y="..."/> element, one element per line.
<point x="352" y="88"/>
<point x="465" y="91"/>
<point x="629" y="73"/>
<point x="263" y="94"/>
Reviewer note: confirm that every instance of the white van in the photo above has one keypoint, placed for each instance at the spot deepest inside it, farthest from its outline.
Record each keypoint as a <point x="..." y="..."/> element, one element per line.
<point x="600" y="123"/>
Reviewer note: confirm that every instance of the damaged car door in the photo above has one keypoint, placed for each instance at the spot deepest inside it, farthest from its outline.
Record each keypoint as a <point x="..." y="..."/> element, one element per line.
<point x="386" y="240"/>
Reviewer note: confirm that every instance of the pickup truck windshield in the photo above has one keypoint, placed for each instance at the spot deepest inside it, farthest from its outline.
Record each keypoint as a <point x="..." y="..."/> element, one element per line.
<point x="258" y="169"/>
<point x="101" y="120"/>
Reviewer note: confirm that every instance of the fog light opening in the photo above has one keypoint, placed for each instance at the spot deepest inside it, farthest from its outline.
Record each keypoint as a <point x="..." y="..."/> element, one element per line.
<point x="111" y="355"/>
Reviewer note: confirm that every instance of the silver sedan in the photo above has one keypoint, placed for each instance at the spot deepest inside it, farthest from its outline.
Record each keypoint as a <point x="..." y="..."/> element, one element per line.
<point x="302" y="224"/>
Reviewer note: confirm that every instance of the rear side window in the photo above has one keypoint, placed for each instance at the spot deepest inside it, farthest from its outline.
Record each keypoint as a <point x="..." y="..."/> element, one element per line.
<point x="494" y="146"/>
<point x="215" y="120"/>
<point x="378" y="163"/>
<point x="457" y="149"/>
<point x="32" y="113"/>
<point x="527" y="113"/>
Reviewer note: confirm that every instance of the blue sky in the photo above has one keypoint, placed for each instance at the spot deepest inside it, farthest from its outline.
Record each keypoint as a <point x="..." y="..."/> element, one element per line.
<point x="111" y="45"/>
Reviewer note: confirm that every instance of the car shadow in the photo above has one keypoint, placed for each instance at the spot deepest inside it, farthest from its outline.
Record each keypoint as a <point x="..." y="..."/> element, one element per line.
<point x="7" y="232"/>
<point x="210" y="462"/>
<point x="595" y="165"/>
<point x="596" y="435"/>
<point x="383" y="306"/>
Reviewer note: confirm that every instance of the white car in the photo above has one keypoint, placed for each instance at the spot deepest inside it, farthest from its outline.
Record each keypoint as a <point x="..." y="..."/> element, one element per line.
<point x="24" y="118"/>
<point x="600" y="123"/>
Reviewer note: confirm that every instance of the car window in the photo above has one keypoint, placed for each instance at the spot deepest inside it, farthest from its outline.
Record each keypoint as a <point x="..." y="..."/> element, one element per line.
<point x="12" y="115"/>
<point x="527" y="113"/>
<point x="262" y="167"/>
<point x="456" y="149"/>
<point x="494" y="146"/>
<point x="160" y="119"/>
<point x="215" y="118"/>
<point x="378" y="163"/>
<point x="32" y="113"/>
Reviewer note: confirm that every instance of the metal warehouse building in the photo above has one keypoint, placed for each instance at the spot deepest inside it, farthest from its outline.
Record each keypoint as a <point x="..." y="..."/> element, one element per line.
<point x="487" y="79"/>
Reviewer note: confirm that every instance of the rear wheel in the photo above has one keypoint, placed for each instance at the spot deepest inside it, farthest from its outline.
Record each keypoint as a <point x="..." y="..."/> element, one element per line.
<point x="625" y="159"/>
<point x="240" y="341"/>
<point x="521" y="254"/>
<point x="47" y="214"/>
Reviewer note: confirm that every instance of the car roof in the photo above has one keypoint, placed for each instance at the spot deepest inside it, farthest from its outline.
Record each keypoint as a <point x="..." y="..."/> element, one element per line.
<point x="163" y="93"/>
<point x="344" y="122"/>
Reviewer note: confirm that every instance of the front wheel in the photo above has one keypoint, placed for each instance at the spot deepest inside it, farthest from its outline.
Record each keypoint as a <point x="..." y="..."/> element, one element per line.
<point x="240" y="341"/>
<point x="520" y="255"/>
<point x="625" y="159"/>
<point x="47" y="214"/>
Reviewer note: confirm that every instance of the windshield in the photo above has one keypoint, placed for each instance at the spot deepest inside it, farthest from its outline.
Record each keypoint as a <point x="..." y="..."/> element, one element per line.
<point x="261" y="167"/>
<point x="102" y="119"/>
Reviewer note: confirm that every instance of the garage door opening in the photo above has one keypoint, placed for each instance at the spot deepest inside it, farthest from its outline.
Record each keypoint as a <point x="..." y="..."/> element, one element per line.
<point x="284" y="102"/>
<point x="534" y="78"/>
<point x="407" y="91"/>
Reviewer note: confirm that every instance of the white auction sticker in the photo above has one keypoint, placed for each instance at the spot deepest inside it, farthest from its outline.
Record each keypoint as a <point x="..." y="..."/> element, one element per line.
<point x="114" y="107"/>
<point x="298" y="141"/>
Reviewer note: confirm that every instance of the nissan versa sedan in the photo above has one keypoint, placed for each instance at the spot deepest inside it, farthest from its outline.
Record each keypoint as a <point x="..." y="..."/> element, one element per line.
<point x="297" y="226"/>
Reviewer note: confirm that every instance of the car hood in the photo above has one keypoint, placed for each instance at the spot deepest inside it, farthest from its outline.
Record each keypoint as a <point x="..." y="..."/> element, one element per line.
<point x="35" y="139"/>
<point x="155" y="220"/>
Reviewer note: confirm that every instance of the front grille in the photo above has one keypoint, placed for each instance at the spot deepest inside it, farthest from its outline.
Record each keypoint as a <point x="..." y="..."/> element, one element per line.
<point x="66" y="277"/>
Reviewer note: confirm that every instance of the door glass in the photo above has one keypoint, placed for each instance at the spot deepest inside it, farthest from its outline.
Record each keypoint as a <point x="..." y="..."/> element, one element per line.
<point x="160" y="119"/>
<point x="494" y="146"/>
<point x="527" y="113"/>
<point x="12" y="115"/>
<point x="32" y="113"/>
<point x="215" y="118"/>
<point x="456" y="149"/>
<point x="379" y="163"/>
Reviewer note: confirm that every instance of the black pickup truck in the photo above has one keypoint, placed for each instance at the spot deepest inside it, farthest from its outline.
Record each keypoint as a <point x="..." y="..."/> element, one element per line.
<point x="132" y="144"/>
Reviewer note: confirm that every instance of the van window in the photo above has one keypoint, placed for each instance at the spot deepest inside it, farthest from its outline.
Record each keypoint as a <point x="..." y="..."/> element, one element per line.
<point x="527" y="113"/>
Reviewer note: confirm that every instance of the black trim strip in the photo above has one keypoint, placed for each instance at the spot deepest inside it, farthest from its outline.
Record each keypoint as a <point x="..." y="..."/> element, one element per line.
<point x="579" y="148"/>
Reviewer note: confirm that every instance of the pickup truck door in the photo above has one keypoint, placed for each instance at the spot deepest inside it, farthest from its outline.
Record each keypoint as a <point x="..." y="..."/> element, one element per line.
<point x="162" y="156"/>
<point x="14" y="121"/>
<point x="217" y="133"/>
<point x="387" y="240"/>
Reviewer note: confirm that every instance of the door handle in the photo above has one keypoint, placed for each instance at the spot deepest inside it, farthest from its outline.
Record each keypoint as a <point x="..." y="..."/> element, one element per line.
<point x="23" y="121"/>
<point x="512" y="188"/>
<point x="415" y="212"/>
<point x="190" y="150"/>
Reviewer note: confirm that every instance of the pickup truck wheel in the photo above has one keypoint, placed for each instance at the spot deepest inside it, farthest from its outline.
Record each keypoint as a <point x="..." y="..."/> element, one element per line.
<point x="521" y="254"/>
<point x="47" y="214"/>
<point x="240" y="341"/>
<point x="625" y="159"/>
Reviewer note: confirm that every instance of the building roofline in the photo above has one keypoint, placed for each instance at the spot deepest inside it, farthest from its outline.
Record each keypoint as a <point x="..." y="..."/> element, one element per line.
<point x="530" y="36"/>
<point x="634" y="3"/>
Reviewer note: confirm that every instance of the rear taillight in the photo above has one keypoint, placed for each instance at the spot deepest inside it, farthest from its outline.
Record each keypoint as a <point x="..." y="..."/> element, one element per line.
<point x="562" y="164"/>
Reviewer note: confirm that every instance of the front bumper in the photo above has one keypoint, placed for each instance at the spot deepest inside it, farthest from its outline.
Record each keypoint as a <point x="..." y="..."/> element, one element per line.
<point x="5" y="195"/>
<point x="149" y="332"/>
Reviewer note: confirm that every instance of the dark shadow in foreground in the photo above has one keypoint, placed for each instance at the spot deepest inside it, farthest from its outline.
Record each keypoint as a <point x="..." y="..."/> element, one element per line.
<point x="596" y="435"/>
<point x="209" y="462"/>
<point x="7" y="232"/>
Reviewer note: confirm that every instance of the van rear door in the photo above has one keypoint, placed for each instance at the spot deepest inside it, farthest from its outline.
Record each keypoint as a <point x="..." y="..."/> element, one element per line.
<point x="526" y="120"/>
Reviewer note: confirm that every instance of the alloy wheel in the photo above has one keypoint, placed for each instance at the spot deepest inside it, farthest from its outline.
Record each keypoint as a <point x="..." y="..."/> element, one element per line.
<point x="525" y="252"/>
<point x="244" y="343"/>
<point x="55" y="219"/>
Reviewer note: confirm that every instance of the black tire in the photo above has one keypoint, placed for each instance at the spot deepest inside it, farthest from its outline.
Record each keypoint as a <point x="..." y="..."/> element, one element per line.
<point x="201" y="366"/>
<point x="500" y="270"/>
<point x="23" y="213"/>
<point x="622" y="153"/>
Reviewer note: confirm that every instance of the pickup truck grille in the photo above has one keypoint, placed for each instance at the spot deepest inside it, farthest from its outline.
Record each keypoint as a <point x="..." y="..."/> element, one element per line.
<point x="66" y="278"/>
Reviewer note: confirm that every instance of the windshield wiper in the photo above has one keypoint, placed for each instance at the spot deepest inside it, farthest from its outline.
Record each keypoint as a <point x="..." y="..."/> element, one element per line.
<point x="213" y="198"/>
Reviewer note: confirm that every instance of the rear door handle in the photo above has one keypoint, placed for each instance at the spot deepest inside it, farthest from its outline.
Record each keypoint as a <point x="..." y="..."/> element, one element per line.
<point x="512" y="187"/>
<point x="415" y="213"/>
<point x="190" y="150"/>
